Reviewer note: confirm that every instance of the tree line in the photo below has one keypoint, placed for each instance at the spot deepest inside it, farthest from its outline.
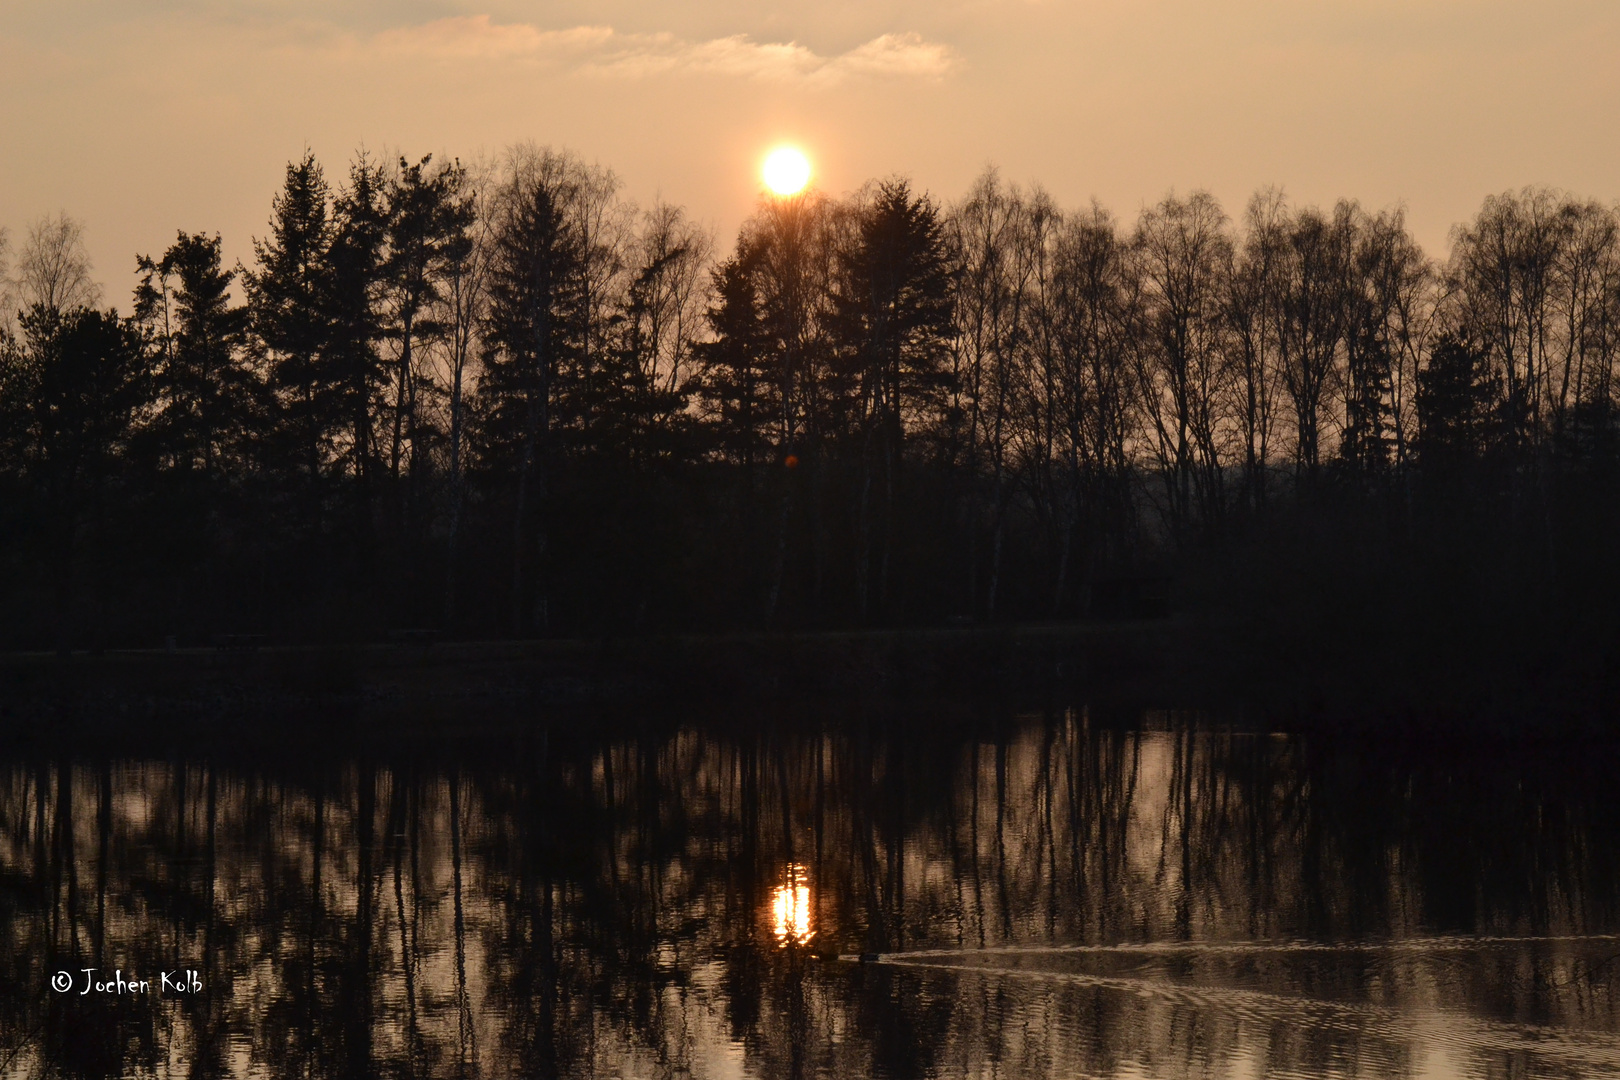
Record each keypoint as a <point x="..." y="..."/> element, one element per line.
<point x="505" y="400"/>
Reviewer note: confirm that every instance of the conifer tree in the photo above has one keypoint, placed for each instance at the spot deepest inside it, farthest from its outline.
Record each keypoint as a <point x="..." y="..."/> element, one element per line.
<point x="894" y="309"/>
<point x="736" y="385"/>
<point x="207" y="396"/>
<point x="534" y="340"/>
<point x="352" y="367"/>
<point x="79" y="384"/>
<point x="291" y="329"/>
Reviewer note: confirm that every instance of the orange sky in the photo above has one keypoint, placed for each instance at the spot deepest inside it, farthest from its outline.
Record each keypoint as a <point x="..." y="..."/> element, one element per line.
<point x="146" y="116"/>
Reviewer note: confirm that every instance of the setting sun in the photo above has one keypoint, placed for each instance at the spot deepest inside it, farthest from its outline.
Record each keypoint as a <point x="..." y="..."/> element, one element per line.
<point x="786" y="170"/>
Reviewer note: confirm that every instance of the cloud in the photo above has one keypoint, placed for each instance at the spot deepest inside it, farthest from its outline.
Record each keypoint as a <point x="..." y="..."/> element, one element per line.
<point x="475" y="37"/>
<point x="899" y="54"/>
<point x="600" y="50"/>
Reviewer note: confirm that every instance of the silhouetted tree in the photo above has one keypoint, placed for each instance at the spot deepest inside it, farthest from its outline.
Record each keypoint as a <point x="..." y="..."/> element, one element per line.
<point x="535" y="340"/>
<point x="793" y="241"/>
<point x="1385" y="307"/>
<point x="287" y="302"/>
<point x="871" y="409"/>
<point x="994" y="265"/>
<point x="1503" y="276"/>
<point x="1314" y="318"/>
<point x="351" y="364"/>
<point x="53" y="268"/>
<point x="460" y="313"/>
<point x="429" y="218"/>
<point x="1184" y="253"/>
<point x="1097" y="297"/>
<point x="208" y="402"/>
<point x="73" y="390"/>
<point x="894" y="307"/>
<point x="1253" y="306"/>
<point x="1459" y="407"/>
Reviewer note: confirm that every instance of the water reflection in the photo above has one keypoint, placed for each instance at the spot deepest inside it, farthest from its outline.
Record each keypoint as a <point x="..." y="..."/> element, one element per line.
<point x="790" y="907"/>
<point x="1057" y="899"/>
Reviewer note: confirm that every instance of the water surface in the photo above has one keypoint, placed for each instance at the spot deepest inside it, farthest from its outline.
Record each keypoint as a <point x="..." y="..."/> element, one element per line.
<point x="1042" y="896"/>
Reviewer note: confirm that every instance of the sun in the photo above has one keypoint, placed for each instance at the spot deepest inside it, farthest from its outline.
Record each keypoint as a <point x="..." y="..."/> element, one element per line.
<point x="786" y="170"/>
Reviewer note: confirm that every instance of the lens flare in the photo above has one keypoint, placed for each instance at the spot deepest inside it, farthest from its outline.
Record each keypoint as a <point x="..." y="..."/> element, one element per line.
<point x="786" y="170"/>
<point x="790" y="908"/>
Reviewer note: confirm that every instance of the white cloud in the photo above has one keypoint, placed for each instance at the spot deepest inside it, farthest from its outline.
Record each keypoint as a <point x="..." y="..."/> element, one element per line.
<point x="600" y="50"/>
<point x="899" y="54"/>
<point x="476" y="37"/>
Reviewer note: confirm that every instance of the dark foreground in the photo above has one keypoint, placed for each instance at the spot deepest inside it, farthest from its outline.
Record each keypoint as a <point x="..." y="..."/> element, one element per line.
<point x="624" y="893"/>
<point x="1297" y="678"/>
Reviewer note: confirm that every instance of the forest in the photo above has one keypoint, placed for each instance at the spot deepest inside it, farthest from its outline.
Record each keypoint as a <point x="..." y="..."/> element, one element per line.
<point x="502" y="400"/>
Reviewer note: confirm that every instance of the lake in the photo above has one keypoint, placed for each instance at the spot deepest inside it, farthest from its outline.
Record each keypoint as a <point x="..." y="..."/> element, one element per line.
<point x="838" y="892"/>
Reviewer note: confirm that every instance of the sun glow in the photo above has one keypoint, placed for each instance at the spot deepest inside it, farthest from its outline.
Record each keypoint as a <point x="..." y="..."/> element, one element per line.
<point x="790" y="908"/>
<point x="786" y="170"/>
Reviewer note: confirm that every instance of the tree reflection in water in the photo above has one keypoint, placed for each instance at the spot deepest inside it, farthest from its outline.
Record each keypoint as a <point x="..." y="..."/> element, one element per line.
<point x="1061" y="899"/>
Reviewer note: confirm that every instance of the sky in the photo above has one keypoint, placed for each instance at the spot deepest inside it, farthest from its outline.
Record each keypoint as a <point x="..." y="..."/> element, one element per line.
<point x="144" y="117"/>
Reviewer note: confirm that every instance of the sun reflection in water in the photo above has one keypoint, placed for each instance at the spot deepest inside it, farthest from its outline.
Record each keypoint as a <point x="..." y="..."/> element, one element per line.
<point x="790" y="907"/>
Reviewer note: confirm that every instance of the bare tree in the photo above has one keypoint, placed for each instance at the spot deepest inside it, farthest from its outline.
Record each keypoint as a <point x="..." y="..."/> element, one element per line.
<point x="1098" y="299"/>
<point x="1253" y="301"/>
<point x="53" y="268"/>
<point x="668" y="293"/>
<point x="1587" y="306"/>
<point x="429" y="215"/>
<point x="989" y="233"/>
<point x="1314" y="321"/>
<point x="1184" y="252"/>
<point x="1385" y="312"/>
<point x="8" y="314"/>
<point x="460" y="311"/>
<point x="1038" y="395"/>
<point x="604" y="223"/>
<point x="1504" y="268"/>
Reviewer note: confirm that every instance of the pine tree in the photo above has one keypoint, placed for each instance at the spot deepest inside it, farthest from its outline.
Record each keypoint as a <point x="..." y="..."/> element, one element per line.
<point x="534" y="340"/>
<point x="207" y="396"/>
<point x="352" y="366"/>
<point x="1459" y="408"/>
<point x="735" y="384"/>
<point x="895" y="321"/>
<point x="80" y="383"/>
<point x="291" y="329"/>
